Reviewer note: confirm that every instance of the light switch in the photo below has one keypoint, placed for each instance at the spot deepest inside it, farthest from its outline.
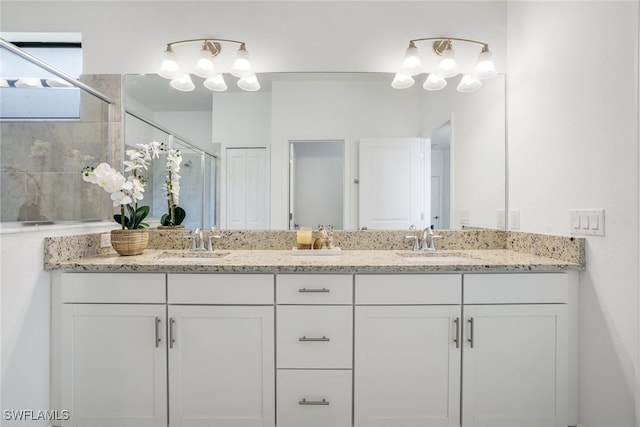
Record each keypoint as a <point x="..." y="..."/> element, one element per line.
<point x="575" y="220"/>
<point x="514" y="219"/>
<point x="594" y="222"/>
<point x="584" y="221"/>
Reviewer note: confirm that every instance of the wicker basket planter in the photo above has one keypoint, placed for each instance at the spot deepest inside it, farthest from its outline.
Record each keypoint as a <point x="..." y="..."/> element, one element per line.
<point x="130" y="242"/>
<point x="171" y="227"/>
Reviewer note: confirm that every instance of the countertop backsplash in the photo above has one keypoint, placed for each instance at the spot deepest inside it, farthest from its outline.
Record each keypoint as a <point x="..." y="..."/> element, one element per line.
<point x="569" y="249"/>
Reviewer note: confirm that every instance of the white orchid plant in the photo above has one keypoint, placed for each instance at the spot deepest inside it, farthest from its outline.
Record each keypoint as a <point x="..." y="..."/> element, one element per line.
<point x="175" y="214"/>
<point x="126" y="192"/>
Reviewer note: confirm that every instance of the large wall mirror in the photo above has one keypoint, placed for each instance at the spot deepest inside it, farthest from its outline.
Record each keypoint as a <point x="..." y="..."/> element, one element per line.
<point x="342" y="148"/>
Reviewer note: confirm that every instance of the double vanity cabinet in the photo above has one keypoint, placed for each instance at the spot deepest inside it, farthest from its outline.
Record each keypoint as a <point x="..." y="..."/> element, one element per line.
<point x="311" y="349"/>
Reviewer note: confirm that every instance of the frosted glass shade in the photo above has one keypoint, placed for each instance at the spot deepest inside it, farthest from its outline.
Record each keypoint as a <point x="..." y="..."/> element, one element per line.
<point x="485" y="69"/>
<point x="216" y="83"/>
<point x="402" y="81"/>
<point x="469" y="83"/>
<point x="242" y="66"/>
<point x="250" y="83"/>
<point x="169" y="68"/>
<point x="205" y="67"/>
<point x="448" y="67"/>
<point x="434" y="82"/>
<point x="412" y="65"/>
<point x="183" y="83"/>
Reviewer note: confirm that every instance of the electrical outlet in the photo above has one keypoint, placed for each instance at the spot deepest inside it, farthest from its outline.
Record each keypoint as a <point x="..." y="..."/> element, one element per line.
<point x="464" y="217"/>
<point x="514" y="219"/>
<point x="500" y="219"/>
<point x="105" y="240"/>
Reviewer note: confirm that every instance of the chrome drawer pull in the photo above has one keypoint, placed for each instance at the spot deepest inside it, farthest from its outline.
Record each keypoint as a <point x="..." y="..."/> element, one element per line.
<point x="305" y="339"/>
<point x="322" y="402"/>
<point x="305" y="290"/>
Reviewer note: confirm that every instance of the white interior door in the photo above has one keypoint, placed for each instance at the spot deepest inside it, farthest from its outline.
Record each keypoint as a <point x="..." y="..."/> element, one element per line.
<point x="246" y="189"/>
<point x="392" y="190"/>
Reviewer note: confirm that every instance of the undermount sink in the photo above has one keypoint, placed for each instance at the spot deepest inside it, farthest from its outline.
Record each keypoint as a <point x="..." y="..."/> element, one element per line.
<point x="185" y="255"/>
<point x="434" y="257"/>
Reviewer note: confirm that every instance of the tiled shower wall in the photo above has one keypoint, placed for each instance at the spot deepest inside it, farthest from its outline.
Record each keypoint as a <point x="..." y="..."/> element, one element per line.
<point x="41" y="160"/>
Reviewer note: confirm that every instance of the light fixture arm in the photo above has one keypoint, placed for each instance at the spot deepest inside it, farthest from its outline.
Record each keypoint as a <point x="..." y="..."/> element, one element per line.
<point x="179" y="42"/>
<point x="441" y="43"/>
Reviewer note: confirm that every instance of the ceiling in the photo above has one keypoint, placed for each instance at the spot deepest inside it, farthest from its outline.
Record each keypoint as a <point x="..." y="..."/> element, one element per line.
<point x="124" y="37"/>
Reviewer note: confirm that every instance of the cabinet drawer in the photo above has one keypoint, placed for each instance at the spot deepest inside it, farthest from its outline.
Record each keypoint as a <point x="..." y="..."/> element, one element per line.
<point x="134" y="288"/>
<point x="220" y="289"/>
<point x="314" y="398"/>
<point x="517" y="288"/>
<point x="411" y="289"/>
<point x="314" y="336"/>
<point x="314" y="289"/>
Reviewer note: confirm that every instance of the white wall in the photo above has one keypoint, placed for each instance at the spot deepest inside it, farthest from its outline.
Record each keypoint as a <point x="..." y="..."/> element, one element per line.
<point x="333" y="110"/>
<point x="194" y="126"/>
<point x="477" y="147"/>
<point x="573" y="143"/>
<point x="25" y="304"/>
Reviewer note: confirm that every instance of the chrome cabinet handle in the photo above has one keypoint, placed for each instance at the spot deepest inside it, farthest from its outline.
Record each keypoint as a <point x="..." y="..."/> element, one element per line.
<point x="158" y="339"/>
<point x="322" y="402"/>
<point x="172" y="339"/>
<point x="305" y="339"/>
<point x="470" y="339"/>
<point x="316" y="290"/>
<point x="456" y="340"/>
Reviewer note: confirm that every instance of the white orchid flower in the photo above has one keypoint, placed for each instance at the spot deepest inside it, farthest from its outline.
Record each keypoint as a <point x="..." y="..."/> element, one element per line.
<point x="120" y="198"/>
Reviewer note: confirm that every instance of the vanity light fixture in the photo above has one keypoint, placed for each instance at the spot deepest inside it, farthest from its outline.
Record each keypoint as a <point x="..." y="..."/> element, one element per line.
<point x="205" y="67"/>
<point x="447" y="66"/>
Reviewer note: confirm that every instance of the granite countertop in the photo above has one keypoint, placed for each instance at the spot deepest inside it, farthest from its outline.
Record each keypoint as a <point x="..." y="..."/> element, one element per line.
<point x="349" y="261"/>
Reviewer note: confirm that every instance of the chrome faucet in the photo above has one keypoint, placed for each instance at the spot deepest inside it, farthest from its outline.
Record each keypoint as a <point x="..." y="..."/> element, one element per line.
<point x="213" y="235"/>
<point x="429" y="239"/>
<point x="415" y="238"/>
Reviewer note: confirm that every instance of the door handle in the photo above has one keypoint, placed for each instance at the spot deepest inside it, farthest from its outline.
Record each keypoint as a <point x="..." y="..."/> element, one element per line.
<point x="158" y="339"/>
<point x="172" y="339"/>
<point x="456" y="340"/>
<point x="471" y="331"/>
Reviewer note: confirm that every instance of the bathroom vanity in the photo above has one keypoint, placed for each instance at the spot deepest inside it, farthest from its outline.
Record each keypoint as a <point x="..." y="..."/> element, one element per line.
<point x="264" y="338"/>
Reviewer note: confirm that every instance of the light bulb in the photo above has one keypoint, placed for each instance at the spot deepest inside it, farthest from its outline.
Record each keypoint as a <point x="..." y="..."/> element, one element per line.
<point x="250" y="83"/>
<point x="169" y="68"/>
<point x="242" y="66"/>
<point x="204" y="66"/>
<point x="412" y="65"/>
<point x="183" y="84"/>
<point x="434" y="82"/>
<point x="469" y="83"/>
<point x="216" y="83"/>
<point x="485" y="69"/>
<point x="402" y="81"/>
<point x="448" y="67"/>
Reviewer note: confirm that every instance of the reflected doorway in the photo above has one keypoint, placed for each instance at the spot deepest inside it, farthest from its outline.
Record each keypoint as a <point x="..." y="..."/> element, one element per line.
<point x="316" y="183"/>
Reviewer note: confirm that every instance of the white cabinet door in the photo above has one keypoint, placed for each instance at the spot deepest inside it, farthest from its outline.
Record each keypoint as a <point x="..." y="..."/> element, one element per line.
<point x="515" y="365"/>
<point x="114" y="365"/>
<point x="246" y="188"/>
<point x="392" y="189"/>
<point x="221" y="366"/>
<point x="407" y="366"/>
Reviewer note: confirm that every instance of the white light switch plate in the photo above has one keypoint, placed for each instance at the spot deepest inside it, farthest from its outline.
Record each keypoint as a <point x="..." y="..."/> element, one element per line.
<point x="587" y="222"/>
<point x="464" y="217"/>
